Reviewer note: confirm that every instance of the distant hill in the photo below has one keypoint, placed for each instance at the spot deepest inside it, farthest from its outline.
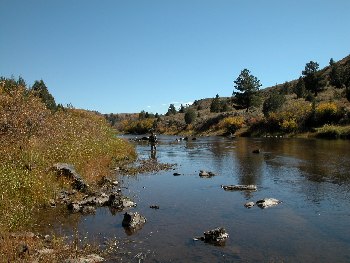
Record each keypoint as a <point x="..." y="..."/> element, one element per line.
<point x="295" y="115"/>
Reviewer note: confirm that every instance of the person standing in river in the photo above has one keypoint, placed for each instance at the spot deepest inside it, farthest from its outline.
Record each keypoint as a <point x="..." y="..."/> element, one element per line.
<point x="153" y="141"/>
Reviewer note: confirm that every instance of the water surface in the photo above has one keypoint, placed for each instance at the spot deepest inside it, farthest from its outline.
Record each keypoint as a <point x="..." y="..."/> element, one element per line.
<point x="309" y="176"/>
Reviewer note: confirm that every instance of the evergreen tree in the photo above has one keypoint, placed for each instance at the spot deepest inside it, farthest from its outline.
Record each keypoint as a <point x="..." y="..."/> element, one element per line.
<point x="347" y="93"/>
<point x="9" y="84"/>
<point x="215" y="105"/>
<point x="21" y="82"/>
<point x="39" y="89"/>
<point x="190" y="116"/>
<point x="224" y="106"/>
<point x="171" y="110"/>
<point x="336" y="76"/>
<point x="182" y="109"/>
<point x="311" y="79"/>
<point x="248" y="87"/>
<point x="299" y="88"/>
<point x="273" y="103"/>
<point x="285" y="88"/>
<point x="142" y="115"/>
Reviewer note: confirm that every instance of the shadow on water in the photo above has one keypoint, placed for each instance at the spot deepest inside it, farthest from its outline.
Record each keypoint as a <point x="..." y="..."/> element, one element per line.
<point x="311" y="225"/>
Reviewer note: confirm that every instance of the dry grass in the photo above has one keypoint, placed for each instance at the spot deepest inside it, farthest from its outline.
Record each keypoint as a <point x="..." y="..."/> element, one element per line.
<point x="33" y="139"/>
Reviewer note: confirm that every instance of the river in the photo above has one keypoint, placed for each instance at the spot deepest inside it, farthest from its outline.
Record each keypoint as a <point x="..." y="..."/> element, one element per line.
<point x="312" y="224"/>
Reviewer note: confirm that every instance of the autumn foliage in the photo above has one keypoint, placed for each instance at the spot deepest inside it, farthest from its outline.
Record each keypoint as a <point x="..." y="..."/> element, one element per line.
<point x="33" y="138"/>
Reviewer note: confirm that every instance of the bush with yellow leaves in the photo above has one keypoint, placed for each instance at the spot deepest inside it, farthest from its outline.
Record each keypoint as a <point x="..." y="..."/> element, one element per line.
<point x="231" y="124"/>
<point x="327" y="112"/>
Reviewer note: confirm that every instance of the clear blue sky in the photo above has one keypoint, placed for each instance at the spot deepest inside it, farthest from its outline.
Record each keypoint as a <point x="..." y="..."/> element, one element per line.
<point x="132" y="55"/>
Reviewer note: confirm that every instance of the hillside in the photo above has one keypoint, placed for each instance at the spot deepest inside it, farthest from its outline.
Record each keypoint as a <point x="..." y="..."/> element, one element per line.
<point x="298" y="112"/>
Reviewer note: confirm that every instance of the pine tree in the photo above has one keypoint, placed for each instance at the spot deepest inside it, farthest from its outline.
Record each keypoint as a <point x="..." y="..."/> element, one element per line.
<point x="311" y="79"/>
<point x="215" y="105"/>
<point x="248" y="87"/>
<point x="299" y="88"/>
<point x="39" y="89"/>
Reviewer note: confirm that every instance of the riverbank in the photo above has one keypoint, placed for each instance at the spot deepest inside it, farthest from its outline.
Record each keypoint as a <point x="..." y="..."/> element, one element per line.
<point x="34" y="138"/>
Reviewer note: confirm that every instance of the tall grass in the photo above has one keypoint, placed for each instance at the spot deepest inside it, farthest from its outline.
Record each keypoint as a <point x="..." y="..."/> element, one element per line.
<point x="333" y="132"/>
<point x="32" y="139"/>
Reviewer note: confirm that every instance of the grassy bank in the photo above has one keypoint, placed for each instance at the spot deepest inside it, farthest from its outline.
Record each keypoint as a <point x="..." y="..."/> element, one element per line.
<point x="33" y="138"/>
<point x="333" y="132"/>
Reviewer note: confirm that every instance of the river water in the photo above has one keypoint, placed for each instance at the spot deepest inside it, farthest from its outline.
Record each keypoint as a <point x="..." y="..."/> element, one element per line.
<point x="310" y="177"/>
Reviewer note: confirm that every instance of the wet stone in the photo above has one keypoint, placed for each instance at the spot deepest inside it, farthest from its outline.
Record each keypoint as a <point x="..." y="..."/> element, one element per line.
<point x="256" y="151"/>
<point x="93" y="258"/>
<point x="239" y="187"/>
<point x="249" y="204"/>
<point x="206" y="174"/>
<point x="133" y="220"/>
<point x="217" y="236"/>
<point x="267" y="202"/>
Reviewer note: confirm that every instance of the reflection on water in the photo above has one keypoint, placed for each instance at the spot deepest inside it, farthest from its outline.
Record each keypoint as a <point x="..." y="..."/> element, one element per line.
<point x="311" y="225"/>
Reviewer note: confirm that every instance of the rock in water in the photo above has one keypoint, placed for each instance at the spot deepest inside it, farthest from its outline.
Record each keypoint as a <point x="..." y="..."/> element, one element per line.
<point x="206" y="174"/>
<point x="267" y="202"/>
<point x="256" y="151"/>
<point x="239" y="187"/>
<point x="133" y="220"/>
<point x="249" y="204"/>
<point x="93" y="258"/>
<point x="217" y="236"/>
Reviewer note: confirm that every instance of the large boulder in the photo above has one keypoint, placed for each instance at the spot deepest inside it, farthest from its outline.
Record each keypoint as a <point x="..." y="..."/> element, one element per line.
<point x="68" y="170"/>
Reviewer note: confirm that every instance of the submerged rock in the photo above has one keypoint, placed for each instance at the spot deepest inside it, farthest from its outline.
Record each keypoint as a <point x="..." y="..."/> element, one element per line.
<point x="217" y="236"/>
<point x="267" y="202"/>
<point x="238" y="187"/>
<point x="93" y="258"/>
<point x="206" y="174"/>
<point x="249" y="204"/>
<point x="256" y="151"/>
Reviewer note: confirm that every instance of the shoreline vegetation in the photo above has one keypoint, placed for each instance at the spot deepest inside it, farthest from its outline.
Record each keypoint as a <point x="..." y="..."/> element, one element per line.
<point x="36" y="134"/>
